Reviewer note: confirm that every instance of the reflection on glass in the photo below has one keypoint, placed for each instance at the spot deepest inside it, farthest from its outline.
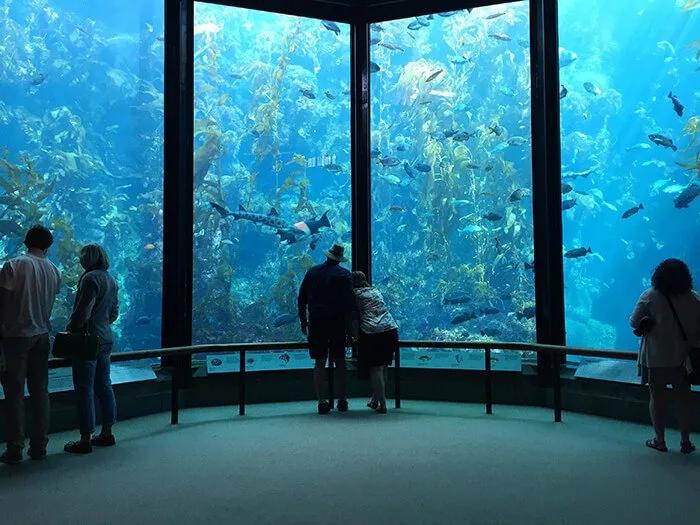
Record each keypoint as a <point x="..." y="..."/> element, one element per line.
<point x="451" y="176"/>
<point x="272" y="166"/>
<point x="630" y="147"/>
<point x="81" y="120"/>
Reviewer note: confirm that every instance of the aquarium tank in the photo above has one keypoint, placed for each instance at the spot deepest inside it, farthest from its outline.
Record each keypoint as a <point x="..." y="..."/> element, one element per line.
<point x="81" y="147"/>
<point x="81" y="116"/>
<point x="630" y="117"/>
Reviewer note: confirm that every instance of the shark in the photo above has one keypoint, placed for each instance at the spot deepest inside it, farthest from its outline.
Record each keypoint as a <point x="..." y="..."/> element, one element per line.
<point x="289" y="233"/>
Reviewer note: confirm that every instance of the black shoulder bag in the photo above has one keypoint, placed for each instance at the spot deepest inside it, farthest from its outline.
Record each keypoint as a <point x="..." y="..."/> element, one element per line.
<point x="693" y="351"/>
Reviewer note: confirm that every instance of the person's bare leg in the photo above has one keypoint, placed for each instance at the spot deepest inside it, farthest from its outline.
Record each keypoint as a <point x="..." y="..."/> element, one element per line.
<point x="657" y="411"/>
<point x="320" y="379"/>
<point x="378" y="385"/>
<point x="341" y="377"/>
<point x="684" y="410"/>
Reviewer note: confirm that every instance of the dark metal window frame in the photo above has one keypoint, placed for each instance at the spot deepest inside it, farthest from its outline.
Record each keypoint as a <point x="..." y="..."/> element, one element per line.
<point x="179" y="151"/>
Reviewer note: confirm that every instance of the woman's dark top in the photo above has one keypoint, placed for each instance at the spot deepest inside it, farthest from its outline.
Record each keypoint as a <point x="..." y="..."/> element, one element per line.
<point x="96" y="305"/>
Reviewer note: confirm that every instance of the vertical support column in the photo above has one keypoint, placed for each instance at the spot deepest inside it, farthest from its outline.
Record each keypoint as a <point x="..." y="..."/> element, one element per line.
<point x="360" y="138"/>
<point x="178" y="190"/>
<point x="546" y="183"/>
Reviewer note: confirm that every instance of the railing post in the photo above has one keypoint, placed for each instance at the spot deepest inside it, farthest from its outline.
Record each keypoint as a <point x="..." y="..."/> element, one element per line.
<point x="397" y="378"/>
<point x="556" y="358"/>
<point x="241" y="383"/>
<point x="175" y="396"/>
<point x="331" y="391"/>
<point x="487" y="367"/>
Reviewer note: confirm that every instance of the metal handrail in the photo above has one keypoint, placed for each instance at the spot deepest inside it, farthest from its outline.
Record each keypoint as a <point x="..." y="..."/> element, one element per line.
<point x="242" y="348"/>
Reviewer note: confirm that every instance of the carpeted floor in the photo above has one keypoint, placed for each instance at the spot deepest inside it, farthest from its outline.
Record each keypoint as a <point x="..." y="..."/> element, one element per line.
<point x="428" y="463"/>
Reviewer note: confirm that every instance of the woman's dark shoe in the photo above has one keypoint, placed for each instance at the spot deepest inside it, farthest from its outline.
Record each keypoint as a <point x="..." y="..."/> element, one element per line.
<point x="78" y="447"/>
<point x="324" y="407"/>
<point x="657" y="445"/>
<point x="11" y="458"/>
<point x="342" y="405"/>
<point x="373" y="404"/>
<point x="381" y="410"/>
<point x="687" y="448"/>
<point x="103" y="441"/>
<point x="37" y="455"/>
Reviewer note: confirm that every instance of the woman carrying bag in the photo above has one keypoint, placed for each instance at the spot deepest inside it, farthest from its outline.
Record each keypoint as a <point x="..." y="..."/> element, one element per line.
<point x="96" y="308"/>
<point x="667" y="317"/>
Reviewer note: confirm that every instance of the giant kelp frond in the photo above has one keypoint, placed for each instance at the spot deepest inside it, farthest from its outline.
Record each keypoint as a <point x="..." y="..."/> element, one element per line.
<point x="691" y="4"/>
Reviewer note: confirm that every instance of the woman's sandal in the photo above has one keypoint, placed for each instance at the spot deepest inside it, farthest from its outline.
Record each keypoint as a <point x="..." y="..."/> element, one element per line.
<point x="78" y="447"/>
<point x="657" y="445"/>
<point x="687" y="448"/>
<point x="373" y="404"/>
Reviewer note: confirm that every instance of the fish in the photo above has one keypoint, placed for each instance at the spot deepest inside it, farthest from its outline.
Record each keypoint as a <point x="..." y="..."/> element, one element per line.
<point x="373" y="67"/>
<point x="409" y="171"/>
<point x="517" y="195"/>
<point x="568" y="204"/>
<point x="422" y="167"/>
<point x="492" y="216"/>
<point x="307" y="93"/>
<point x="329" y="95"/>
<point x="434" y="75"/>
<point x="563" y="92"/>
<point x="415" y="25"/>
<point x="334" y="168"/>
<point x="149" y="247"/>
<point x="572" y="175"/>
<point x="463" y="136"/>
<point x="375" y="152"/>
<point x="674" y="188"/>
<point x="376" y="27"/>
<point x="391" y="179"/>
<point x="495" y="15"/>
<point x="527" y="313"/>
<point x="523" y="42"/>
<point x="236" y="76"/>
<point x="396" y="208"/>
<point x="424" y="358"/>
<point x="283" y="319"/>
<point x="687" y="196"/>
<point x="393" y="47"/>
<point x="529" y="266"/>
<point x="641" y="145"/>
<point x="331" y="26"/>
<point x="566" y="57"/>
<point x="463" y="317"/>
<point x="374" y="41"/>
<point x="471" y="166"/>
<point x="271" y="219"/>
<point x="250" y="360"/>
<point x="389" y="162"/>
<point x="401" y="147"/>
<point x="489" y="310"/>
<point x="456" y="297"/>
<point x="496" y="129"/>
<point x="143" y="320"/>
<point x="517" y="141"/>
<point x="491" y="332"/>
<point x="632" y="211"/>
<point x="566" y="188"/>
<point x="577" y="252"/>
<point x="39" y="79"/>
<point x="459" y="60"/>
<point x="472" y="228"/>
<point x="661" y="140"/>
<point x="424" y="20"/>
<point x="284" y="357"/>
<point x="448" y="14"/>
<point x="500" y="36"/>
<point x="592" y="88"/>
<point x="401" y="228"/>
<point x="499" y="147"/>
<point x="677" y="106"/>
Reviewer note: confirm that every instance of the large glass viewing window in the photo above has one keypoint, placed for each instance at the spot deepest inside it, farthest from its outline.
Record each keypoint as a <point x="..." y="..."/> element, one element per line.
<point x="272" y="166"/>
<point x="451" y="177"/>
<point x="630" y="151"/>
<point x="81" y="121"/>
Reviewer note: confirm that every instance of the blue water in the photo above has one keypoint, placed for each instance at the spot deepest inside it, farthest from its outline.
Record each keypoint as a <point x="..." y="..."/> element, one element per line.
<point x="462" y="225"/>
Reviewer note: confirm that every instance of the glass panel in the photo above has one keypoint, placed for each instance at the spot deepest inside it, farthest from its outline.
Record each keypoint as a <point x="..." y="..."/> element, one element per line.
<point x="272" y="136"/>
<point x="451" y="175"/>
<point x="629" y="117"/>
<point x="81" y="120"/>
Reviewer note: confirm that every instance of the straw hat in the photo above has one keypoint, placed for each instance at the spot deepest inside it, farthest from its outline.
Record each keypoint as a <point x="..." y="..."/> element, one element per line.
<point x="336" y="253"/>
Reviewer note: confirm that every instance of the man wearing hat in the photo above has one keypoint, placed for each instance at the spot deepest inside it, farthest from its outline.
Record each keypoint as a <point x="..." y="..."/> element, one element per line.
<point x="327" y="293"/>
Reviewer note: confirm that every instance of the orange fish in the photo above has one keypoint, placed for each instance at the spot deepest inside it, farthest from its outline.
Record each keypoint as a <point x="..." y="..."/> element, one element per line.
<point x="149" y="247"/>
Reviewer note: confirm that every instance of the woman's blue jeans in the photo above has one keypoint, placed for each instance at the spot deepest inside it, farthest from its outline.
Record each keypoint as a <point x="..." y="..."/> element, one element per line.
<point x="90" y="379"/>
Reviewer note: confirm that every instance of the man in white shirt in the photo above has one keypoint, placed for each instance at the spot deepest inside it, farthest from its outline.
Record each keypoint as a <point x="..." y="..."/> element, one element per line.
<point x="28" y="289"/>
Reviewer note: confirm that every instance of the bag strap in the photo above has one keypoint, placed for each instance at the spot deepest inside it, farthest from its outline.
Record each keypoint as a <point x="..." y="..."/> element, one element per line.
<point x="675" y="314"/>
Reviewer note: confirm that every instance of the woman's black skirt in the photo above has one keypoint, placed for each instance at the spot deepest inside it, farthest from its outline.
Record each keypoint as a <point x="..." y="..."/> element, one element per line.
<point x="376" y="350"/>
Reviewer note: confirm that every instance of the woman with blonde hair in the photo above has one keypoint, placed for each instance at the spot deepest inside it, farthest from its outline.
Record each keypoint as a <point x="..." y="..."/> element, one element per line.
<point x="379" y="337"/>
<point x="96" y="307"/>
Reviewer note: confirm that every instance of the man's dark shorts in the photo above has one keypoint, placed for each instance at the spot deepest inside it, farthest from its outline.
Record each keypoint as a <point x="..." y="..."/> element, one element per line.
<point x="325" y="335"/>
